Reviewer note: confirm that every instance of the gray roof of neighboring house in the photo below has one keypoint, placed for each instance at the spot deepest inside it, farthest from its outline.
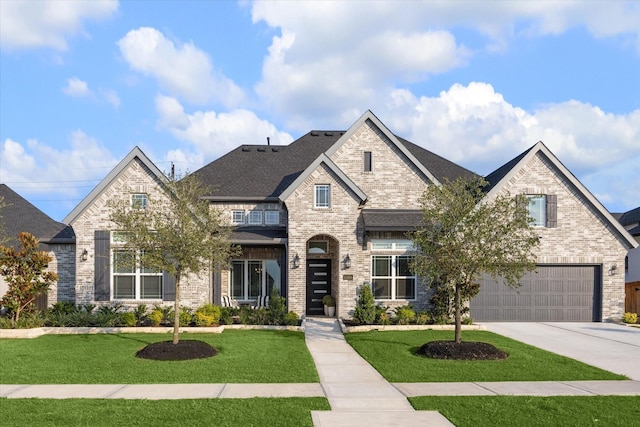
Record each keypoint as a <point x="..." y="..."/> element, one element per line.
<point x="264" y="172"/>
<point x="391" y="219"/>
<point x="19" y="215"/>
<point x="259" y="235"/>
<point x="630" y="217"/>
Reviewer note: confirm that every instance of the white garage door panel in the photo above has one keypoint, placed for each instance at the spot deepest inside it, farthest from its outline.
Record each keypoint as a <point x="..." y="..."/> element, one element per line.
<point x="549" y="294"/>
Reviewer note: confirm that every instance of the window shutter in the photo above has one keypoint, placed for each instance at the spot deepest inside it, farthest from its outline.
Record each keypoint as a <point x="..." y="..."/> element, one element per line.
<point x="552" y="210"/>
<point x="102" y="270"/>
<point x="169" y="283"/>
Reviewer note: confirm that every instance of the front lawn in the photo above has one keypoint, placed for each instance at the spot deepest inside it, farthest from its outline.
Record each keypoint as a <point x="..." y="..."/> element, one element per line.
<point x="393" y="354"/>
<point x="193" y="412"/>
<point x="254" y="356"/>
<point x="509" y="411"/>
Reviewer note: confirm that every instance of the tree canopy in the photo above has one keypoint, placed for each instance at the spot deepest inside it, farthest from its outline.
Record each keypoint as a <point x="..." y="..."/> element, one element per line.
<point x="465" y="235"/>
<point x="24" y="271"/>
<point x="178" y="233"/>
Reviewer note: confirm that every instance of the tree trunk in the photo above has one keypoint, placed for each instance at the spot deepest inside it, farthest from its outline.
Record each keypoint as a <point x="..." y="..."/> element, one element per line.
<point x="176" y="311"/>
<point x="458" y="320"/>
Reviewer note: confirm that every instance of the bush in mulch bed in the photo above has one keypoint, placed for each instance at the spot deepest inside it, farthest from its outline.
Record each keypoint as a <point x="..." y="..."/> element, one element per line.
<point x="465" y="350"/>
<point x="184" y="350"/>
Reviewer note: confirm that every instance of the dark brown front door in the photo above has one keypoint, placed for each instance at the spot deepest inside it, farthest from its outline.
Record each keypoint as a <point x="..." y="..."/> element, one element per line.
<point x="318" y="285"/>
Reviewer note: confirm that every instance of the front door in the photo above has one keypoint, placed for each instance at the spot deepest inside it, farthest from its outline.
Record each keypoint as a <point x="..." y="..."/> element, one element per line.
<point x="318" y="285"/>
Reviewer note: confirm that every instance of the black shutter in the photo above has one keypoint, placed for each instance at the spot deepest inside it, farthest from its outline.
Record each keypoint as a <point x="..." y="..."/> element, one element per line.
<point x="169" y="283"/>
<point x="552" y="210"/>
<point x="102" y="271"/>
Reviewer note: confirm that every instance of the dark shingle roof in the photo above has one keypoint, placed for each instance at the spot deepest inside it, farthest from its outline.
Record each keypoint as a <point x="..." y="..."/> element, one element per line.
<point x="391" y="219"/>
<point x="19" y="215"/>
<point x="496" y="176"/>
<point x="259" y="235"/>
<point x="265" y="171"/>
<point x="630" y="217"/>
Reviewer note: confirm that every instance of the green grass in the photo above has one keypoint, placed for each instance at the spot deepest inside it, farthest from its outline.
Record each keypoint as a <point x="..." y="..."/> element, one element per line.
<point x="255" y="356"/>
<point x="193" y="412"/>
<point x="495" y="411"/>
<point x="393" y="354"/>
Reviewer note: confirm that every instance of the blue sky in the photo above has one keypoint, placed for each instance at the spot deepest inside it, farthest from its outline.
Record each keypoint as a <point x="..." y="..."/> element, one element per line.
<point x="82" y="83"/>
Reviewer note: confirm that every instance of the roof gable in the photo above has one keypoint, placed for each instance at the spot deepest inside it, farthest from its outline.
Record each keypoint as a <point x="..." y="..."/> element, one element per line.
<point x="19" y="215"/>
<point x="111" y="176"/>
<point x="323" y="159"/>
<point x="502" y="175"/>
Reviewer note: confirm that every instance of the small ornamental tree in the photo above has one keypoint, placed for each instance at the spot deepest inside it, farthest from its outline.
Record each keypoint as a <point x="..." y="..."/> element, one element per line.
<point x="24" y="272"/>
<point x="465" y="235"/>
<point x="180" y="233"/>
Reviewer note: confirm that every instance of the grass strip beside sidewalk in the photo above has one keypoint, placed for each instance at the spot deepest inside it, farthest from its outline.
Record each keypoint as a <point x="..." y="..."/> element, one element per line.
<point x="253" y="356"/>
<point x="393" y="354"/>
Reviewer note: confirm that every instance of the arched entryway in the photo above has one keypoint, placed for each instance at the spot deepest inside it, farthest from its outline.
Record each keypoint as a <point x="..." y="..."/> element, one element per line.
<point x="321" y="258"/>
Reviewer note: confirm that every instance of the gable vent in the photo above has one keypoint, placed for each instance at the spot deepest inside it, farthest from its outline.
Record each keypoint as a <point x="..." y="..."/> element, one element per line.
<point x="315" y="133"/>
<point x="246" y="149"/>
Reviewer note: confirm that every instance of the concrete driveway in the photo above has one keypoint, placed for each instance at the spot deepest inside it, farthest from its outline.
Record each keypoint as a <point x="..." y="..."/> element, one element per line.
<point x="615" y="348"/>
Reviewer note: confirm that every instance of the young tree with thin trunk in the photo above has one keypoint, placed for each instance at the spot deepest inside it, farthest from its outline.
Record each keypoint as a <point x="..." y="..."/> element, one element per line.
<point x="24" y="272"/>
<point x="465" y="235"/>
<point x="178" y="233"/>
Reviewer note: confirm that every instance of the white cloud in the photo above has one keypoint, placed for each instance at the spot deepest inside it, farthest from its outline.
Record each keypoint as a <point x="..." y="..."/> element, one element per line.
<point x="111" y="96"/>
<point x="214" y="134"/>
<point x="29" y="24"/>
<point x="181" y="69"/>
<point x="475" y="127"/>
<point x="76" y="88"/>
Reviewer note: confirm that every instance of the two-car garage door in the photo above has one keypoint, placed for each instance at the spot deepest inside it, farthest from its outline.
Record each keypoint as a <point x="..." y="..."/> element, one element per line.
<point x="553" y="293"/>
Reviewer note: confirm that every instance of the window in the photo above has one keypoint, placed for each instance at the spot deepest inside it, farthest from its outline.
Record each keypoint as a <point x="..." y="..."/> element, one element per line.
<point x="251" y="278"/>
<point x="322" y="197"/>
<point x="391" y="277"/>
<point x="255" y="217"/>
<point x="139" y="201"/>
<point x="271" y="217"/>
<point x="134" y="282"/>
<point x="398" y="245"/>
<point x="318" y="247"/>
<point x="543" y="210"/>
<point x="237" y="217"/>
<point x="367" y="161"/>
<point x="538" y="210"/>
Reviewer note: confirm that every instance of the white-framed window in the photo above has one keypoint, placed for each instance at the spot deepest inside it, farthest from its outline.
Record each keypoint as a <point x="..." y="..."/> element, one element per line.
<point x="537" y="209"/>
<point x="392" y="245"/>
<point x="139" y="201"/>
<point x="392" y="278"/>
<point x="322" y="196"/>
<point x="271" y="217"/>
<point x="318" y="247"/>
<point x="252" y="278"/>
<point x="255" y="217"/>
<point x="237" y="217"/>
<point x="131" y="281"/>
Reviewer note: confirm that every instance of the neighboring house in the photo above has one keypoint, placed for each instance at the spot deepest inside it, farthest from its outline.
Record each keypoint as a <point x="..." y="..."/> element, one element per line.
<point x="56" y="238"/>
<point x="582" y="248"/>
<point x="330" y="213"/>
<point x="631" y="222"/>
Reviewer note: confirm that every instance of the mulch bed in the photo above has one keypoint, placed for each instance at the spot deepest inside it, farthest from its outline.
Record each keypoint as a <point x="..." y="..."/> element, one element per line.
<point x="465" y="350"/>
<point x="184" y="350"/>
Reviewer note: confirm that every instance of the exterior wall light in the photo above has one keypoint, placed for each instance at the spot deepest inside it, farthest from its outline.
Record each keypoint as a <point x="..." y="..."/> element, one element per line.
<point x="295" y="262"/>
<point x="347" y="262"/>
<point x="85" y="255"/>
<point x="612" y="269"/>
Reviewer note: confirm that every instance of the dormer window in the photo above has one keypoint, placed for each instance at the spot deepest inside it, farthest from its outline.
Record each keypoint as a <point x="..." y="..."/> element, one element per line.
<point x="139" y="201"/>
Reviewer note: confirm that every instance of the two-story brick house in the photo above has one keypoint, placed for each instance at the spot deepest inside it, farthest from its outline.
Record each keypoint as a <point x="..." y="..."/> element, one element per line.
<point x="331" y="211"/>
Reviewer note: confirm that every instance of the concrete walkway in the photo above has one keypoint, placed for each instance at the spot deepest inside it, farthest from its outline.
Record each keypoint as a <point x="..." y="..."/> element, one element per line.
<point x="357" y="393"/>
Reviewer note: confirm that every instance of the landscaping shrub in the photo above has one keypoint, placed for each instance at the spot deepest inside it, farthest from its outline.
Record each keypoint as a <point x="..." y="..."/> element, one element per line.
<point x="365" y="311"/>
<point x="405" y="315"/>
<point x="186" y="316"/>
<point x="107" y="316"/>
<point x="207" y="315"/>
<point x="227" y="314"/>
<point x="140" y="313"/>
<point x="630" y="318"/>
<point x="329" y="301"/>
<point x="291" y="318"/>
<point x="382" y="315"/>
<point x="423" y="318"/>
<point x="277" y="308"/>
<point x="62" y="307"/>
<point x="155" y="317"/>
<point x="33" y="319"/>
<point x="128" y="319"/>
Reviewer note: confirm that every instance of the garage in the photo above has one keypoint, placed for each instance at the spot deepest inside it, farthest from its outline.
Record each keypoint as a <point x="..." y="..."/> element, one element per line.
<point x="551" y="293"/>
